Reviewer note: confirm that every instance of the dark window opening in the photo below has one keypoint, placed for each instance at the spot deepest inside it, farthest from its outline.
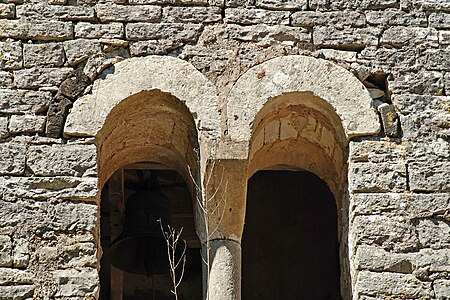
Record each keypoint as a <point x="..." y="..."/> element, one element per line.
<point x="290" y="246"/>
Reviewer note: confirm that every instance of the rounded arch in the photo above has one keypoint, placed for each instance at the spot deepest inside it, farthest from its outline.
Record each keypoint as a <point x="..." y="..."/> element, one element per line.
<point x="296" y="73"/>
<point x="134" y="75"/>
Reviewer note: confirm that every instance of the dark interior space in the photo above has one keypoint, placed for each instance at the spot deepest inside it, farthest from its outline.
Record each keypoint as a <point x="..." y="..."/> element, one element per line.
<point x="290" y="247"/>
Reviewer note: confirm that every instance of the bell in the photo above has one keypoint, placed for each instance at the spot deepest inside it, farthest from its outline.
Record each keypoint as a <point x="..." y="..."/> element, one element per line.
<point x="141" y="247"/>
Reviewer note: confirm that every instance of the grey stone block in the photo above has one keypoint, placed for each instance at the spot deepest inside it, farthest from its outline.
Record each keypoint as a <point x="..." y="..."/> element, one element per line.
<point x="48" y="54"/>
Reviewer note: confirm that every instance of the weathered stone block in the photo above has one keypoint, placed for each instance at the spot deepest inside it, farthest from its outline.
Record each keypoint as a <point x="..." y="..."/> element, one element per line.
<point x="44" y="188"/>
<point x="259" y="33"/>
<point x="346" y="38"/>
<point x="11" y="55"/>
<point x="397" y="17"/>
<point x="107" y="31"/>
<point x="5" y="251"/>
<point x="23" y="101"/>
<point x="351" y="4"/>
<point x="62" y="160"/>
<point x="73" y="86"/>
<point x="78" y="254"/>
<point x="435" y="59"/>
<point x="389" y="232"/>
<point x="4" y="127"/>
<point x="10" y="276"/>
<point x="42" y="10"/>
<point x="7" y="10"/>
<point x="13" y="158"/>
<point x="73" y="283"/>
<point x="71" y="216"/>
<point x="36" y="29"/>
<point x="239" y="3"/>
<point x="153" y="47"/>
<point x="126" y="13"/>
<point x="177" y="32"/>
<point x="40" y="77"/>
<point x="431" y="5"/>
<point x="440" y="20"/>
<point x="26" y="123"/>
<point x="192" y="14"/>
<point x="433" y="233"/>
<point x="432" y="260"/>
<point x="429" y="176"/>
<point x="80" y="49"/>
<point x="282" y="4"/>
<point x="417" y="104"/>
<point x="421" y="83"/>
<point x="21" y="253"/>
<point x="375" y="259"/>
<point x="17" y="292"/>
<point x="50" y="54"/>
<point x="399" y="36"/>
<point x="377" y="177"/>
<point x="447" y="83"/>
<point x="442" y="289"/>
<point x="376" y="151"/>
<point x="6" y="79"/>
<point x="256" y="16"/>
<point x="389" y="118"/>
<point x="341" y="18"/>
<point x="392" y="284"/>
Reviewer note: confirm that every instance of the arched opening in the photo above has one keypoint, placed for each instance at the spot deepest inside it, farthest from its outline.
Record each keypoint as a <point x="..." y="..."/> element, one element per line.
<point x="294" y="235"/>
<point x="147" y="151"/>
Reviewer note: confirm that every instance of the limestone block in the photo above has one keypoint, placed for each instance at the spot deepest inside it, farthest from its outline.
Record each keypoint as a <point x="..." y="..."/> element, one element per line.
<point x="10" y="276"/>
<point x="433" y="260"/>
<point x="72" y="216"/>
<point x="4" y="127"/>
<point x="428" y="148"/>
<point x="377" y="177"/>
<point x="315" y="18"/>
<point x="6" y="79"/>
<point x="282" y="4"/>
<point x="440" y="20"/>
<point x="62" y="160"/>
<point x="40" y="77"/>
<point x="13" y="158"/>
<point x="435" y="59"/>
<point x="393" y="59"/>
<point x="429" y="176"/>
<point x="50" y="54"/>
<point x="17" y="292"/>
<point x="26" y="123"/>
<point x="351" y="4"/>
<point x="99" y="62"/>
<point x="23" y="101"/>
<point x="433" y="5"/>
<point x="444" y="38"/>
<point x="6" y="259"/>
<point x="80" y="49"/>
<point x="261" y="32"/>
<point x="7" y="10"/>
<point x="408" y="205"/>
<point x="397" y="17"/>
<point x="36" y="29"/>
<point x="391" y="233"/>
<point x="339" y="55"/>
<point x="72" y="283"/>
<point x="442" y="289"/>
<point x="376" y="151"/>
<point x="389" y="118"/>
<point x="77" y="255"/>
<point x="11" y="55"/>
<point x="247" y="16"/>
<point x="433" y="233"/>
<point x="348" y="38"/>
<point x="40" y="188"/>
<point x="21" y="253"/>
<point x="153" y="47"/>
<point x="238" y="3"/>
<point x="126" y="13"/>
<point x="44" y="11"/>
<point x="392" y="284"/>
<point x="375" y="259"/>
<point x="56" y="115"/>
<point x="192" y="14"/>
<point x="399" y="36"/>
<point x="180" y="32"/>
<point x="107" y="31"/>
<point x="421" y="82"/>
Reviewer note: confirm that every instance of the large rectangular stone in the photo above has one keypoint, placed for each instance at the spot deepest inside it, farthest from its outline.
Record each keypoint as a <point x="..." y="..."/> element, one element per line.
<point x="282" y="4"/>
<point x="430" y="5"/>
<point x="260" y="32"/>
<point x="175" y="31"/>
<point x="421" y="83"/>
<point x="314" y="18"/>
<point x="9" y="276"/>
<point x="36" y="29"/>
<point x="399" y="36"/>
<point x="440" y="20"/>
<point x="11" y="55"/>
<point x="76" y="283"/>
<point x="49" y="54"/>
<point x="431" y="176"/>
<point x="372" y="258"/>
<point x="433" y="233"/>
<point x="184" y="2"/>
<point x="42" y="10"/>
<point x="405" y="286"/>
<point x="126" y="13"/>
<point x="377" y="177"/>
<point x="6" y="80"/>
<point x="351" y="4"/>
<point x="26" y="124"/>
<point x="435" y="59"/>
<point x="376" y="151"/>
<point x="256" y="16"/>
<point x="396" y="17"/>
<point x="7" y="10"/>
<point x="41" y="77"/>
<point x="62" y="160"/>
<point x="23" y="101"/>
<point x="346" y="38"/>
<point x="12" y="158"/>
<point x="81" y="49"/>
<point x="93" y="31"/>
<point x="192" y="14"/>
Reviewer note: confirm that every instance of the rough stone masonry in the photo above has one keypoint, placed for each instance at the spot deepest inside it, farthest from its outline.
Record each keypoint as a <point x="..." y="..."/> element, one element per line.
<point x="398" y="180"/>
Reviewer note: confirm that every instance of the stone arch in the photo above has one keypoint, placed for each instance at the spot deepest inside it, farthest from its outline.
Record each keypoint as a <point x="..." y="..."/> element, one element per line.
<point x="295" y="73"/>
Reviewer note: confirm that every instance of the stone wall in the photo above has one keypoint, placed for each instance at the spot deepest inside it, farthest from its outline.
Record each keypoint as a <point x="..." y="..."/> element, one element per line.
<point x="398" y="180"/>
